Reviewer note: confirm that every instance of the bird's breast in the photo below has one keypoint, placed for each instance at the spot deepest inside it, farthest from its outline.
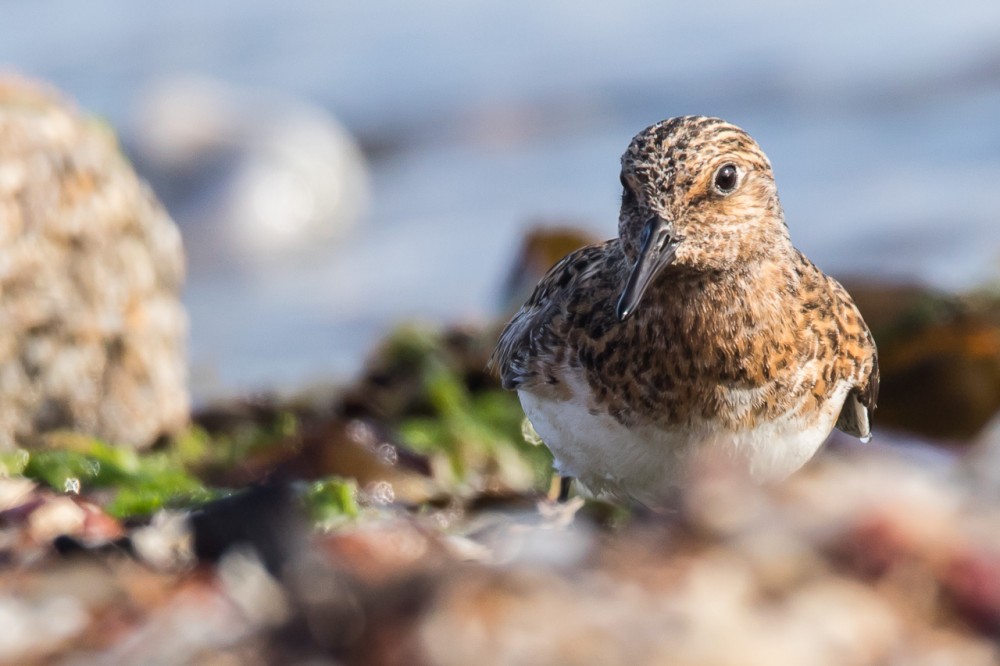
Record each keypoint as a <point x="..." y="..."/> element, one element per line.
<point x="646" y="461"/>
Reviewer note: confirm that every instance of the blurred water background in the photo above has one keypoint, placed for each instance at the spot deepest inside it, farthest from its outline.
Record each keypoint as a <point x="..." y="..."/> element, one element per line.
<point x="480" y="119"/>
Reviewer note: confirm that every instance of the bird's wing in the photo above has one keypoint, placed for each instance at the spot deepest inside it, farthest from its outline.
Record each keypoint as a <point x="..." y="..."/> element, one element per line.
<point x="856" y="414"/>
<point x="536" y="330"/>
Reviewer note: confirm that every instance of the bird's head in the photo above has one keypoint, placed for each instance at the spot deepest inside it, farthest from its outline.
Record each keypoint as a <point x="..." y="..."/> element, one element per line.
<point x="698" y="195"/>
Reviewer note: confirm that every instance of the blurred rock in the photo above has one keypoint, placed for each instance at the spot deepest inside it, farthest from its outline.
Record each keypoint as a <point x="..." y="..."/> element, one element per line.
<point x="858" y="560"/>
<point x="315" y="443"/>
<point x="265" y="519"/>
<point x="385" y="471"/>
<point x="252" y="176"/>
<point x="166" y="543"/>
<point x="32" y="628"/>
<point x="543" y="246"/>
<point x="34" y="521"/>
<point x="92" y="334"/>
<point x="983" y="460"/>
<point x="865" y="557"/>
<point x="363" y="591"/>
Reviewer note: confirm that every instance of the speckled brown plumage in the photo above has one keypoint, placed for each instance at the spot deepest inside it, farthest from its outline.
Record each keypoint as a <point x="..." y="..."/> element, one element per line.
<point x="739" y="329"/>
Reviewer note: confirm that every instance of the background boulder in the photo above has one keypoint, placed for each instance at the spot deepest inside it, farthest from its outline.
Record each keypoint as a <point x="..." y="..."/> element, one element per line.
<point x="92" y="330"/>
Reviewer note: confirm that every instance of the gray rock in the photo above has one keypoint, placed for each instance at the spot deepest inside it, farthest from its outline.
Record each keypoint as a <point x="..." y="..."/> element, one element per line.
<point x="256" y="179"/>
<point x="92" y="331"/>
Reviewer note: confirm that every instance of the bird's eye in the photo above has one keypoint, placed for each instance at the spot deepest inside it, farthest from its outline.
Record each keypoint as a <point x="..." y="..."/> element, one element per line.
<point x="727" y="177"/>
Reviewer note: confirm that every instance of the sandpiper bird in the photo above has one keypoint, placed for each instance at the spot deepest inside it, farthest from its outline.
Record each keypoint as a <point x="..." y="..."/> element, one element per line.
<point x="699" y="330"/>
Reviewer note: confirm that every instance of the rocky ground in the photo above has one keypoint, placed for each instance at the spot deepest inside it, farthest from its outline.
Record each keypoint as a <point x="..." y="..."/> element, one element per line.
<point x="405" y="518"/>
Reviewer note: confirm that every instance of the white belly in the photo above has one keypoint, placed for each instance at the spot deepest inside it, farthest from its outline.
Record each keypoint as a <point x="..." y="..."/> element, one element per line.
<point x="646" y="462"/>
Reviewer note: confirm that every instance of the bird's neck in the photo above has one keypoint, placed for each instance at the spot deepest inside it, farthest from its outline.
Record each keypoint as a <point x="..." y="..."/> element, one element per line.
<point x="741" y="246"/>
<point x="713" y="299"/>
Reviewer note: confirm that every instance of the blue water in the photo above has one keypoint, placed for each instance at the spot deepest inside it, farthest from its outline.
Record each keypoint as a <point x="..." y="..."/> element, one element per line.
<point x="881" y="120"/>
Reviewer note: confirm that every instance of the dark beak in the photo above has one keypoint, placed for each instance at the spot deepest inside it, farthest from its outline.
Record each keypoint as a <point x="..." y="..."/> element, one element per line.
<point x="657" y="248"/>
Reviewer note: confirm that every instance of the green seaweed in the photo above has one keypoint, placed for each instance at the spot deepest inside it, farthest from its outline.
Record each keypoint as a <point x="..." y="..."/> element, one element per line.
<point x="12" y="463"/>
<point x="478" y="432"/>
<point x="228" y="449"/>
<point x="331" y="500"/>
<point x="142" y="483"/>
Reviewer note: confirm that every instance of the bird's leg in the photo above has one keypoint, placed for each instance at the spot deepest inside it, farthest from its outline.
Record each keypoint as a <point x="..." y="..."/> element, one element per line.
<point x="565" y="484"/>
